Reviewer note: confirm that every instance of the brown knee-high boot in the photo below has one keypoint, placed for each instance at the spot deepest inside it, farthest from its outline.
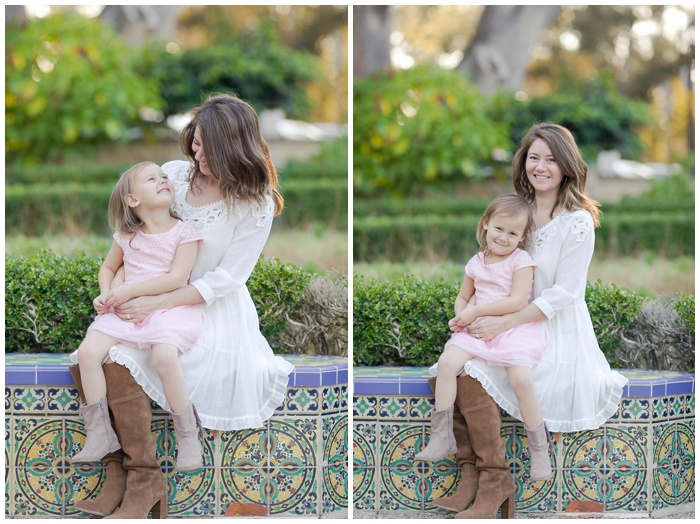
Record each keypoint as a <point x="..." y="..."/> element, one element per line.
<point x="465" y="457"/>
<point x="114" y="486"/>
<point x="145" y="483"/>
<point x="496" y="488"/>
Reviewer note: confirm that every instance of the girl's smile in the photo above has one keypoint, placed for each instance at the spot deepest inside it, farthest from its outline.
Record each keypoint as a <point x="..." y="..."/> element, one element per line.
<point x="504" y="233"/>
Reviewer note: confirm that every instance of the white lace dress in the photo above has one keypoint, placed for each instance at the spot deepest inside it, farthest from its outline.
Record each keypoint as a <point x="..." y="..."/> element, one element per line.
<point x="234" y="379"/>
<point x="576" y="387"/>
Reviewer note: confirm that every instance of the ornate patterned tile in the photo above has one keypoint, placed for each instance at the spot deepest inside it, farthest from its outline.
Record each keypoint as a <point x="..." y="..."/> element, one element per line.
<point x="335" y="454"/>
<point x="364" y="487"/>
<point x="9" y="400"/>
<point x="28" y="400"/>
<point x="245" y="449"/>
<point x="344" y="398"/>
<point x="529" y="495"/>
<point x="674" y="457"/>
<point x="419" y="407"/>
<point x="293" y="441"/>
<point x="243" y="484"/>
<point x="635" y="410"/>
<point x="35" y="493"/>
<point x="364" y="445"/>
<point x="192" y="493"/>
<point x="303" y="400"/>
<point x="62" y="400"/>
<point x="331" y="399"/>
<point x="393" y="408"/>
<point x="365" y="407"/>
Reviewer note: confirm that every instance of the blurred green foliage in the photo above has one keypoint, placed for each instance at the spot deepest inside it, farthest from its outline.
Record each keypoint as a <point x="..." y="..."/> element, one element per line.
<point x="255" y="65"/>
<point x="590" y="107"/>
<point x="418" y="127"/>
<point x="69" y="82"/>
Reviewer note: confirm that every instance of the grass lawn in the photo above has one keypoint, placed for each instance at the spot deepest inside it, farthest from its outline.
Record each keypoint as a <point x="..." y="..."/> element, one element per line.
<point x="649" y="276"/>
<point x="319" y="251"/>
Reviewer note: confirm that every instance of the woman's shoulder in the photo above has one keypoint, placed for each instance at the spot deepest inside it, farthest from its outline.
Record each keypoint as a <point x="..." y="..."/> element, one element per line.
<point x="263" y="211"/>
<point x="579" y="223"/>
<point x="177" y="170"/>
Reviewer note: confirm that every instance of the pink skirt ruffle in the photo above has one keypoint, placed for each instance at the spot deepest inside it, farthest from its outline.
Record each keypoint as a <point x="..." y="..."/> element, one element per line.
<point x="179" y="326"/>
<point x="519" y="346"/>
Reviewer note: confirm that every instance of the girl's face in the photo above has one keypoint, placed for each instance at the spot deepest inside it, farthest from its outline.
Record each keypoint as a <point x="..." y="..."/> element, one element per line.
<point x="151" y="187"/>
<point x="504" y="233"/>
<point x="199" y="154"/>
<point x="542" y="169"/>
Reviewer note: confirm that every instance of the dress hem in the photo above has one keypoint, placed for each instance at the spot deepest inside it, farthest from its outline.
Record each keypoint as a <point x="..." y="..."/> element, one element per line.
<point x="555" y="426"/>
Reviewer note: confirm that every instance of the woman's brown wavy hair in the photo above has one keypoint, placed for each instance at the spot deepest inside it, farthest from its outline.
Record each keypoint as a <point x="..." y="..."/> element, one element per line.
<point x="572" y="191"/>
<point x="237" y="154"/>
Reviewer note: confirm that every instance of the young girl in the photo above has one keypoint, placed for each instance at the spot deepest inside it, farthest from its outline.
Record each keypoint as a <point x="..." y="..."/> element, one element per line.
<point x="499" y="277"/>
<point x="158" y="252"/>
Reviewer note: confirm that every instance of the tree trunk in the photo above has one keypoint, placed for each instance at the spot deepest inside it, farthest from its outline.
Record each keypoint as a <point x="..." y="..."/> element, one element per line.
<point x="499" y="54"/>
<point x="372" y="26"/>
<point x="139" y="23"/>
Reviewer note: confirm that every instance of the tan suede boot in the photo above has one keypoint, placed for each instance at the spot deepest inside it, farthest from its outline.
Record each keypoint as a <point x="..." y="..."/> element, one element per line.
<point x="188" y="430"/>
<point x="114" y="484"/>
<point x="539" y="443"/>
<point x="496" y="488"/>
<point x="465" y="457"/>
<point x="145" y="483"/>
<point x="442" y="439"/>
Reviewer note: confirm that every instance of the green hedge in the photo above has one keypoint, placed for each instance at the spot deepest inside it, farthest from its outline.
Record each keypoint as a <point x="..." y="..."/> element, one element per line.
<point x="48" y="300"/>
<point x="404" y="322"/>
<point x="60" y="174"/>
<point x="77" y="209"/>
<point x="461" y="206"/>
<point x="428" y="237"/>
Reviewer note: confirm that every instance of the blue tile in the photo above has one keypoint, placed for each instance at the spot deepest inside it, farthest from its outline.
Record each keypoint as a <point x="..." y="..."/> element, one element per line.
<point x="307" y="379"/>
<point x="679" y="387"/>
<point x="639" y="390"/>
<point x="376" y="385"/>
<point x="20" y="375"/>
<point x="329" y="378"/>
<point x="415" y="388"/>
<point x="343" y="376"/>
<point x="54" y="375"/>
<point x="658" y="390"/>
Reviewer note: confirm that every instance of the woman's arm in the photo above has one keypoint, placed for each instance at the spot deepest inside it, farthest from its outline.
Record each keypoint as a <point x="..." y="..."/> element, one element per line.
<point x="185" y="256"/>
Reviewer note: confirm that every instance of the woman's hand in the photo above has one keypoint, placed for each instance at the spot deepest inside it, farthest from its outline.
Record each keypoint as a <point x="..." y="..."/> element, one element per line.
<point x="487" y="328"/>
<point x="138" y="308"/>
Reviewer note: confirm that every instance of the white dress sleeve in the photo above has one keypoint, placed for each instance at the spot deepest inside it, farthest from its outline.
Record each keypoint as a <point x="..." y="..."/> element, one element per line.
<point x="572" y="268"/>
<point x="251" y="229"/>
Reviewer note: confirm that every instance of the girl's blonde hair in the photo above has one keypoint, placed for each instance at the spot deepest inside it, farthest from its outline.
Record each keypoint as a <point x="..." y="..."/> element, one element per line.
<point x="122" y="217"/>
<point x="510" y="205"/>
<point x="572" y="191"/>
<point x="236" y="151"/>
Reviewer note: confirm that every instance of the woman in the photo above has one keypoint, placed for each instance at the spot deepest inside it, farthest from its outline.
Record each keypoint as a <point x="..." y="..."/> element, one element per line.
<point x="574" y="382"/>
<point x="228" y="192"/>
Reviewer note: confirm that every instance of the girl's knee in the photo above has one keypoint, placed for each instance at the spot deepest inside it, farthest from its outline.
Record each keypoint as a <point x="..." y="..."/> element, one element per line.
<point x="163" y="359"/>
<point x="448" y="364"/>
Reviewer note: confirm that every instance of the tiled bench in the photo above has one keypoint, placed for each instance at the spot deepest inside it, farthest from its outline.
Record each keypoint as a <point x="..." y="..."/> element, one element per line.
<point x="296" y="465"/>
<point x="640" y="463"/>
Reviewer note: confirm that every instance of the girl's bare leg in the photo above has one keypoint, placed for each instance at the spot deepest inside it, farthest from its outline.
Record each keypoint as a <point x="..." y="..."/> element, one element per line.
<point x="520" y="378"/>
<point x="166" y="361"/>
<point x="91" y="353"/>
<point x="450" y="363"/>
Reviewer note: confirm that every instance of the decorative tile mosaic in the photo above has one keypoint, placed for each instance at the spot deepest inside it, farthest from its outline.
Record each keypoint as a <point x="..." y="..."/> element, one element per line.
<point x="639" y="462"/>
<point x="295" y="465"/>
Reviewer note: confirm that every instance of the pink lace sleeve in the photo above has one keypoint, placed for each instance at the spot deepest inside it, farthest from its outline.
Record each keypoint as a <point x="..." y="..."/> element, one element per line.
<point x="188" y="234"/>
<point x="522" y="259"/>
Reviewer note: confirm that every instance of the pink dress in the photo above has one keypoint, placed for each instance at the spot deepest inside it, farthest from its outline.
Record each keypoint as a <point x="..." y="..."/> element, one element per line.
<point x="147" y="256"/>
<point x="520" y="346"/>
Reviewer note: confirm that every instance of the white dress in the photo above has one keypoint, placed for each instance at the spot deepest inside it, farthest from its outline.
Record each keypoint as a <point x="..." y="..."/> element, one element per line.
<point x="575" y="385"/>
<point x="234" y="379"/>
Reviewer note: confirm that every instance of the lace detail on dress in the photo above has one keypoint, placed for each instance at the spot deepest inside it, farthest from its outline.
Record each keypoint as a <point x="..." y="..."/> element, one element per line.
<point x="202" y="218"/>
<point x="542" y="236"/>
<point x="264" y="213"/>
<point x="580" y="227"/>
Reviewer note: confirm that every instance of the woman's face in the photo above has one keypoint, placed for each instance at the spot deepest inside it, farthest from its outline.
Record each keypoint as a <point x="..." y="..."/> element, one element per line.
<point x="199" y="154"/>
<point x="542" y="169"/>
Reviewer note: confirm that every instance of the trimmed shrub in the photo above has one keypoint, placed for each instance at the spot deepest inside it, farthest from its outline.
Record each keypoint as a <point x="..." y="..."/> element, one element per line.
<point x="404" y="322"/>
<point x="48" y="301"/>
<point x="401" y="323"/>
<point x="59" y="174"/>
<point x="428" y="237"/>
<point x="79" y="209"/>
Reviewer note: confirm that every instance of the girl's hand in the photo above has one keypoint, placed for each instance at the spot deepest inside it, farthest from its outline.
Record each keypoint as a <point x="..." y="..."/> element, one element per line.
<point x="99" y="304"/>
<point x="138" y="308"/>
<point x="454" y="327"/>
<point x="465" y="318"/>
<point x="117" y="296"/>
<point x="487" y="328"/>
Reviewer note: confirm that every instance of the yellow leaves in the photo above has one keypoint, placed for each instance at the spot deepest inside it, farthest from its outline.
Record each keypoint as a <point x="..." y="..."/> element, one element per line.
<point x="71" y="133"/>
<point x="36" y="106"/>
